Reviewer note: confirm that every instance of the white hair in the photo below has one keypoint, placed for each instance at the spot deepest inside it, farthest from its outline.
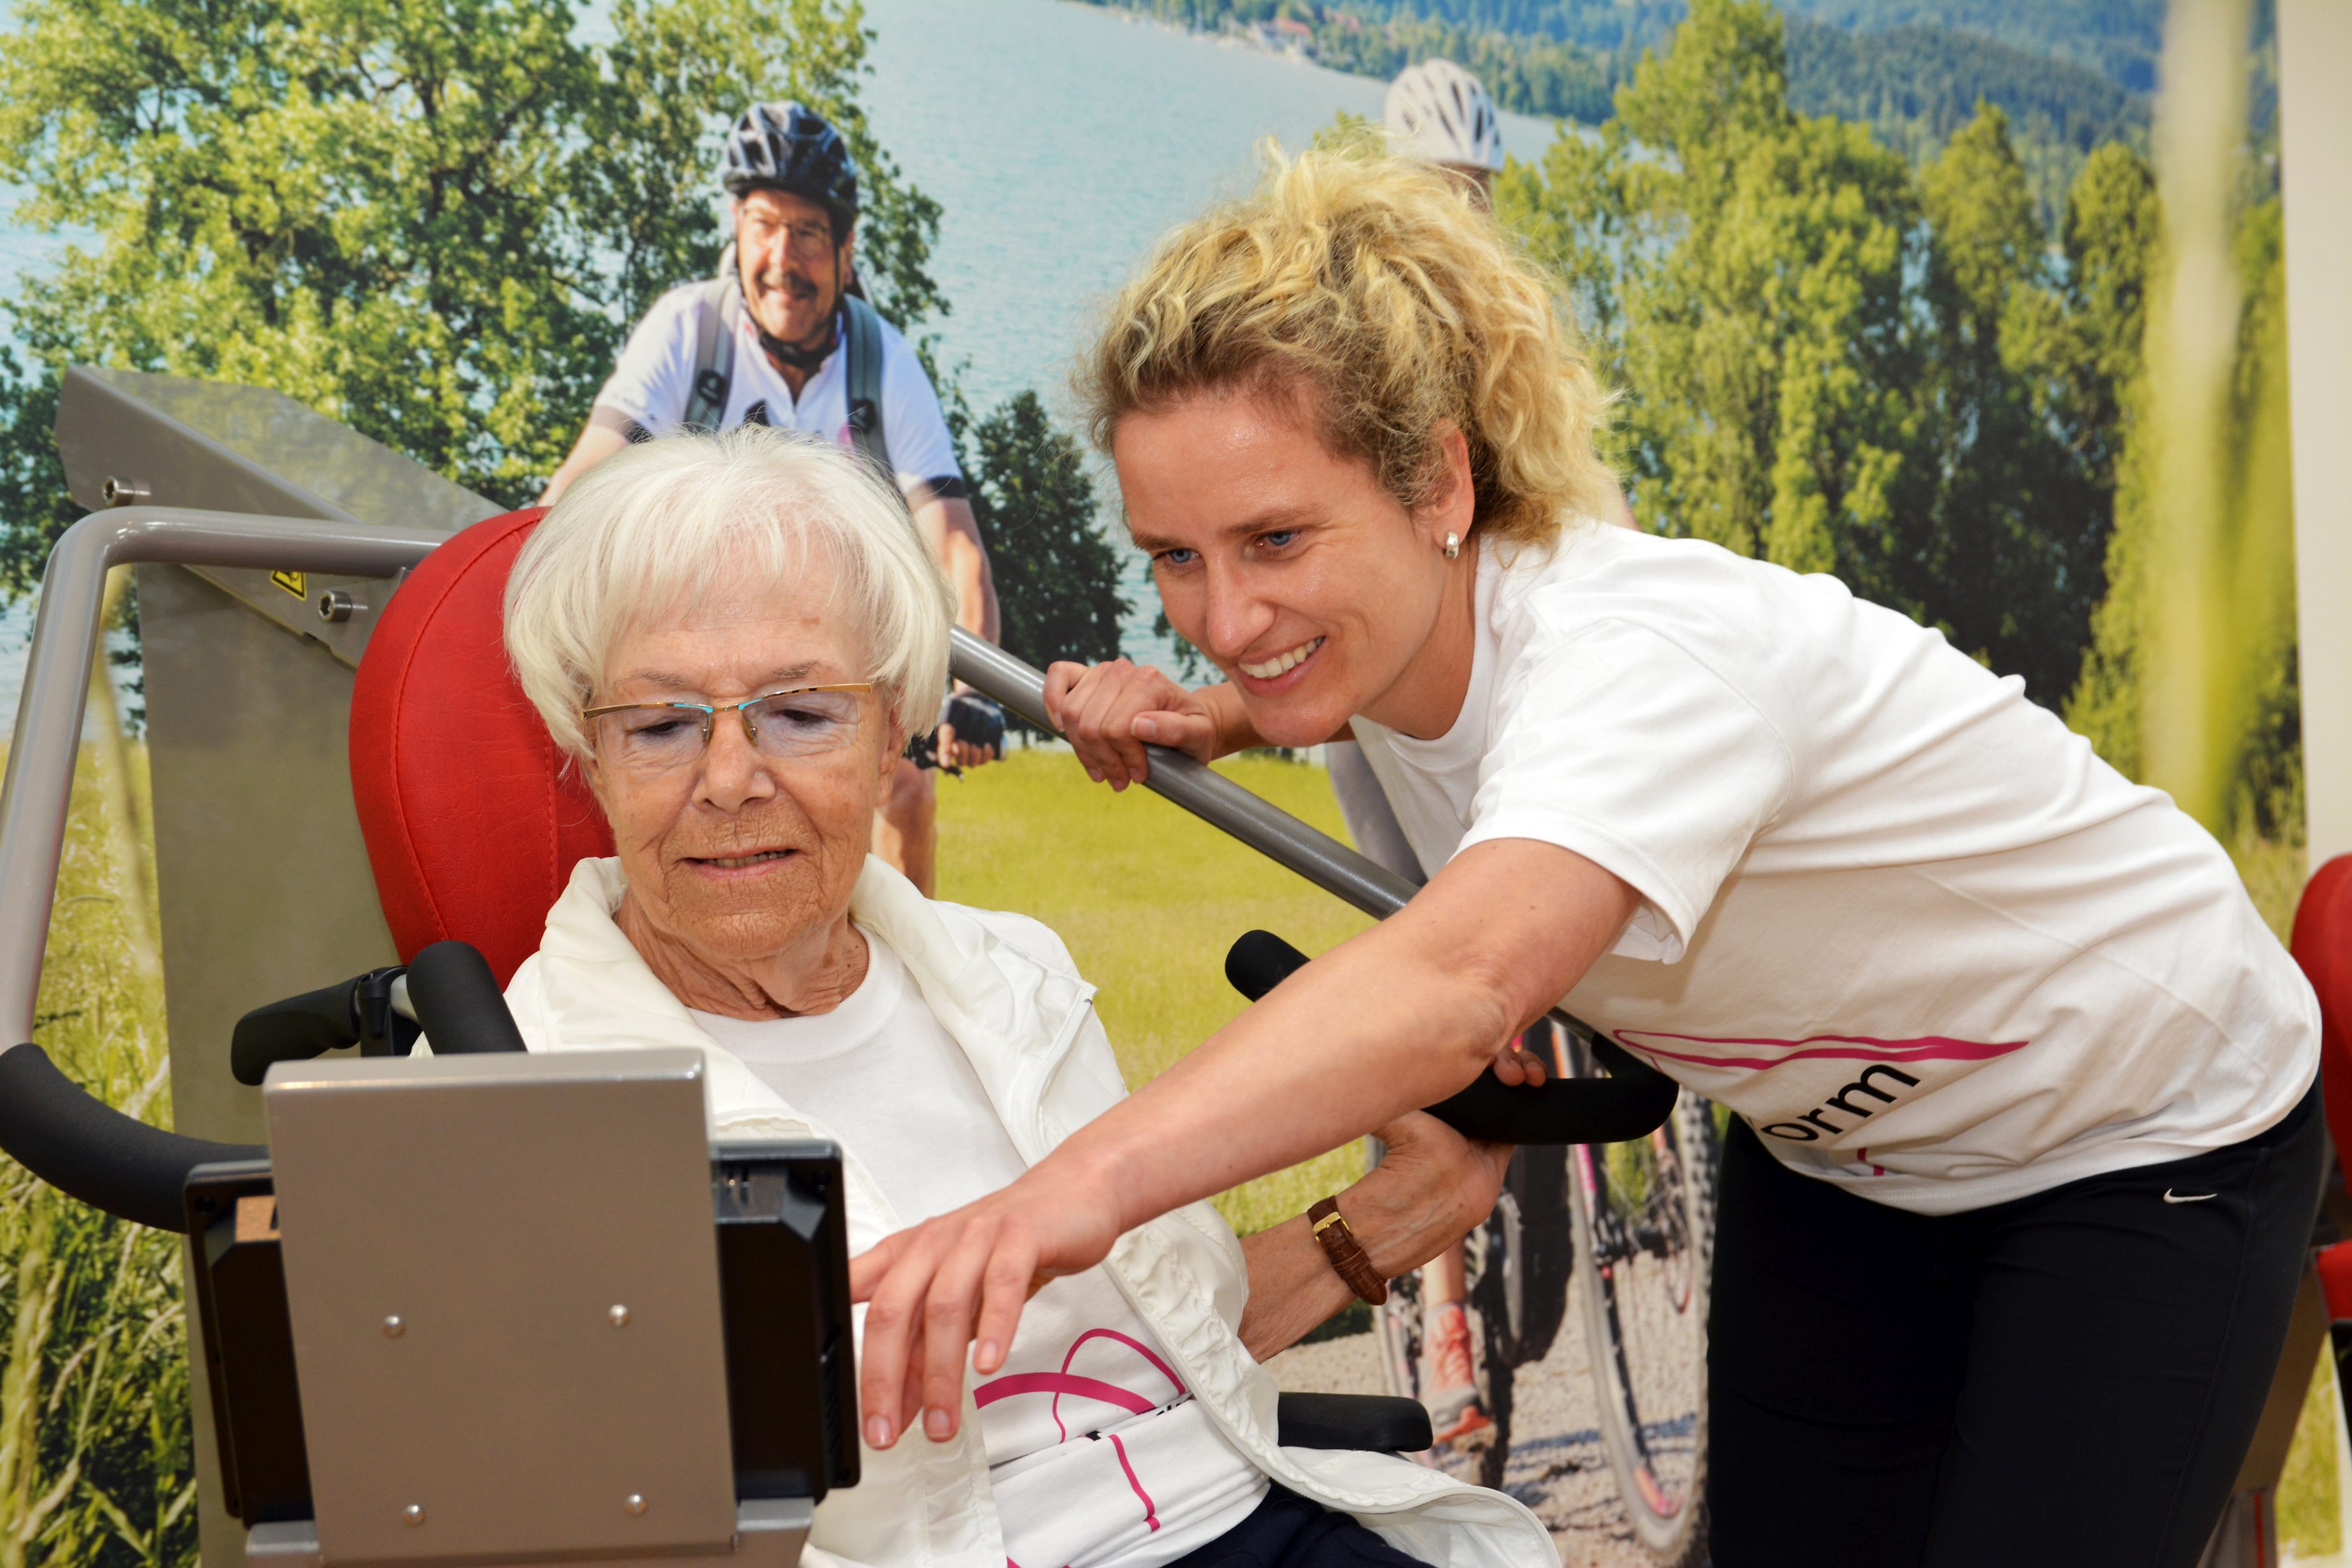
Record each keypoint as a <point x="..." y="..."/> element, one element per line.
<point x="653" y="531"/>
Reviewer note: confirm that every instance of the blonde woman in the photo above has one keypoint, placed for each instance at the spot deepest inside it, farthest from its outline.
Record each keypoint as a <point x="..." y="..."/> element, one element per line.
<point x="2025" y="1148"/>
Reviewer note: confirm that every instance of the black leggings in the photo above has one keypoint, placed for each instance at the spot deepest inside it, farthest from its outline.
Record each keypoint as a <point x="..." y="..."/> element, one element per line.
<point x="2071" y="1379"/>
<point x="1287" y="1531"/>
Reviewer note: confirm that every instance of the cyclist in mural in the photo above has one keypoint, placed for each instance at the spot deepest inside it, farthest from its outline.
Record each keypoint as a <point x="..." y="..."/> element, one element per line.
<point x="2024" y="1146"/>
<point x="783" y="337"/>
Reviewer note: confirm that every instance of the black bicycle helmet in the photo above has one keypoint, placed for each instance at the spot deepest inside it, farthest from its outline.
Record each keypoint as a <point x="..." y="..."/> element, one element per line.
<point x="787" y="147"/>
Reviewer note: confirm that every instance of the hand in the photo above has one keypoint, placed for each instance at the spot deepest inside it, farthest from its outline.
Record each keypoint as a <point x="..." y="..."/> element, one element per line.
<point x="1431" y="1189"/>
<point x="955" y="754"/>
<point x="1110" y="711"/>
<point x="1516" y="1065"/>
<point x="935" y="1289"/>
<point x="970" y="745"/>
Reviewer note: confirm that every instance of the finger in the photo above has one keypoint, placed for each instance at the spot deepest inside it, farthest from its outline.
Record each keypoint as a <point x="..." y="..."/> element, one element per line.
<point x="944" y="739"/>
<point x="947" y="1329"/>
<point x="1006" y="1285"/>
<point x="1192" y="733"/>
<point x="868" y="1267"/>
<point x="910" y="1397"/>
<point x="1511" y="1069"/>
<point x="1060" y="676"/>
<point x="891" y="1323"/>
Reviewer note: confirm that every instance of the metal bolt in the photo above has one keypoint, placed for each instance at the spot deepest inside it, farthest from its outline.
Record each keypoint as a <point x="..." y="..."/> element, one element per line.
<point x="620" y="1316"/>
<point x="334" y="606"/>
<point x="122" y="492"/>
<point x="394" y="1327"/>
<point x="635" y="1502"/>
<point x="413" y="1515"/>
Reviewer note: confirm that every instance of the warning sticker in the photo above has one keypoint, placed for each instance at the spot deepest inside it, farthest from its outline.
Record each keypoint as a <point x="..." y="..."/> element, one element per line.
<point x="291" y="581"/>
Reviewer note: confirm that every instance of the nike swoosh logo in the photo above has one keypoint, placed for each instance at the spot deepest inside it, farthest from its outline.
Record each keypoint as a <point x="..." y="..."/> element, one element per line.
<point x="2172" y="1197"/>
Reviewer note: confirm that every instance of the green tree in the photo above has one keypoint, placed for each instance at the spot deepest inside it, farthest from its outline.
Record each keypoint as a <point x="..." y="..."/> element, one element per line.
<point x="1742" y="268"/>
<point x="2006" y="555"/>
<point x="435" y="222"/>
<point x="1056" y="575"/>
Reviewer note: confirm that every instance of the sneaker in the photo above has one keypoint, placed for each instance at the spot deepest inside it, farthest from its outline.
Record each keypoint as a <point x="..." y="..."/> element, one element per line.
<point x="1453" y="1393"/>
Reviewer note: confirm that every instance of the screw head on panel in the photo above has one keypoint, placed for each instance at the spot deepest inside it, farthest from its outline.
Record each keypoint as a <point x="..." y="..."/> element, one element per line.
<point x="620" y="1316"/>
<point x="413" y="1515"/>
<point x="394" y="1326"/>
<point x="635" y="1502"/>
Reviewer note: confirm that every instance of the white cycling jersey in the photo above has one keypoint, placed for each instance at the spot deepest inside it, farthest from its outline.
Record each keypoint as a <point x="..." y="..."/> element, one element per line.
<point x="654" y="379"/>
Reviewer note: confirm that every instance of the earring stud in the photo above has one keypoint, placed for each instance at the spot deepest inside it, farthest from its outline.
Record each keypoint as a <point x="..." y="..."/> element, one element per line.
<point x="1453" y="546"/>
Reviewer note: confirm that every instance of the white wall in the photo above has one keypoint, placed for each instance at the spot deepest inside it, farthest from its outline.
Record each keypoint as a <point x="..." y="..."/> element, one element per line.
<point x="2316" y="166"/>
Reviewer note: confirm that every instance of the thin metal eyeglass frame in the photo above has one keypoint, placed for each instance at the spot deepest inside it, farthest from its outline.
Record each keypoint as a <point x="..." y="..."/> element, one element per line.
<point x="710" y="710"/>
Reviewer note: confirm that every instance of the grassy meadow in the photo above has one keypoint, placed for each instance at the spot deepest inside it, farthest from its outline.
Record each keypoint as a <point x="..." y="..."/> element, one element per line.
<point x="1148" y="899"/>
<point x="95" y="1453"/>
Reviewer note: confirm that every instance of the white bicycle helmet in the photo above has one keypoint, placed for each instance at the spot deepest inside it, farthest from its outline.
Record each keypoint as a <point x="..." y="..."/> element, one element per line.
<point x="1439" y="112"/>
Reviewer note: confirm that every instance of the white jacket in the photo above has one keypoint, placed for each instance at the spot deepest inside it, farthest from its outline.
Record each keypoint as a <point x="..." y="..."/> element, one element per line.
<point x="1004" y="988"/>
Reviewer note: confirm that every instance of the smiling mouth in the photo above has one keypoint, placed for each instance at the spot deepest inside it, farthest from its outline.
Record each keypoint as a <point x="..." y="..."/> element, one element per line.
<point x="740" y="862"/>
<point x="1282" y="661"/>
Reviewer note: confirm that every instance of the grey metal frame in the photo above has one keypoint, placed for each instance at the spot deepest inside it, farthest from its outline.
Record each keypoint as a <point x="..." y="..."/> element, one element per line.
<point x="41" y="756"/>
<point x="1206" y="793"/>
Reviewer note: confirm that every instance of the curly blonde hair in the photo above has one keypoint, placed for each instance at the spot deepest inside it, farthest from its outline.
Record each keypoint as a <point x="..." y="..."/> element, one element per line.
<point x="1370" y="284"/>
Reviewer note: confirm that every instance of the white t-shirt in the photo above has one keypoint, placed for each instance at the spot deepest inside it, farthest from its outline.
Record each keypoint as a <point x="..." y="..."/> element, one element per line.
<point x="654" y="379"/>
<point x="1900" y="919"/>
<point x="1097" y="1452"/>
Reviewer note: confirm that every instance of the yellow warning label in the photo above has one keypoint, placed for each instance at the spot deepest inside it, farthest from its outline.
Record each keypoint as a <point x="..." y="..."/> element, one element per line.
<point x="291" y="581"/>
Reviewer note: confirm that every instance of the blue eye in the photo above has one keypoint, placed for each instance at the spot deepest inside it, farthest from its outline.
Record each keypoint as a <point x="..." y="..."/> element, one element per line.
<point x="1179" y="557"/>
<point x="1281" y="537"/>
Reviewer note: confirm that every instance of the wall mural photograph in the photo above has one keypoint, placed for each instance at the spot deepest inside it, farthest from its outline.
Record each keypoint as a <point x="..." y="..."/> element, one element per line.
<point x="1462" y="782"/>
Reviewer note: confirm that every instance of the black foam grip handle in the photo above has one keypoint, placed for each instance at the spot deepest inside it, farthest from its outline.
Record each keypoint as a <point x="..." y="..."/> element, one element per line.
<point x="88" y="1150"/>
<point x="457" y="1002"/>
<point x="295" y="1029"/>
<point x="1633" y="1103"/>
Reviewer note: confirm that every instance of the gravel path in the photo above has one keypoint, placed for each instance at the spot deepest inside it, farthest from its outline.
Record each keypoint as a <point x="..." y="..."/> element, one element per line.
<point x="1556" y="1466"/>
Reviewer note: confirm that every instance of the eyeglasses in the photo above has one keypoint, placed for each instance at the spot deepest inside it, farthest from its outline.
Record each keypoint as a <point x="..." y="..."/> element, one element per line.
<point x="656" y="737"/>
<point x="807" y="240"/>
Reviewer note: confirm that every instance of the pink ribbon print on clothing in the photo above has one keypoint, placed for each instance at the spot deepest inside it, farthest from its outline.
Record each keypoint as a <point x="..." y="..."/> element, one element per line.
<point x="1059" y="1383"/>
<point x="1853" y="1048"/>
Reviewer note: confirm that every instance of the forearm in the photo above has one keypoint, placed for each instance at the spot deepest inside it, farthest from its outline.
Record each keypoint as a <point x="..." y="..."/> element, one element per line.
<point x="604" y="435"/>
<point x="1396" y="1018"/>
<point x="975" y="587"/>
<point x="948" y="525"/>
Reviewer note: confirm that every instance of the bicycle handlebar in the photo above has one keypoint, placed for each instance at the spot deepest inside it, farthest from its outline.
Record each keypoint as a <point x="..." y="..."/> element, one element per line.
<point x="1634" y="1101"/>
<point x="88" y="1150"/>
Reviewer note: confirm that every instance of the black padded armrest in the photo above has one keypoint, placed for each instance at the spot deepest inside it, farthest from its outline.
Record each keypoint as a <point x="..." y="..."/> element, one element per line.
<point x="1378" y="1423"/>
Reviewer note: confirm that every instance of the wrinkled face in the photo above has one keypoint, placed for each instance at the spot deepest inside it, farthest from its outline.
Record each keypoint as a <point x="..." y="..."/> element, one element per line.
<point x="793" y="271"/>
<point x="1290" y="567"/>
<point x="736" y="855"/>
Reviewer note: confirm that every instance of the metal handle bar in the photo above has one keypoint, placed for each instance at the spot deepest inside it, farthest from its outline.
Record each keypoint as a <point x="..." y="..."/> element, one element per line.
<point x="56" y="680"/>
<point x="47" y="1123"/>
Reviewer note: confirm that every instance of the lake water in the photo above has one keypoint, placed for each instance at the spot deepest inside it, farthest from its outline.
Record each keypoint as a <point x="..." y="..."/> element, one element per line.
<point x="1060" y="140"/>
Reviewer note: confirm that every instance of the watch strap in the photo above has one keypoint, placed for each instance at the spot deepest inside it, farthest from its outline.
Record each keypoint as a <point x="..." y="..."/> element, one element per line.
<point x="1347" y="1254"/>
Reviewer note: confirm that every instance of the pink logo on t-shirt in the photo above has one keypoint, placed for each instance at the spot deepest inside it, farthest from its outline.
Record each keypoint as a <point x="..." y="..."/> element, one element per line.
<point x="1059" y="1383"/>
<point x="1851" y="1047"/>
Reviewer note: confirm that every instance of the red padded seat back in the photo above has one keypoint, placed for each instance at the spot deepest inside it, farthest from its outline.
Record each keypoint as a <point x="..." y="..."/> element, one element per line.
<point x="2323" y="946"/>
<point x="472" y="821"/>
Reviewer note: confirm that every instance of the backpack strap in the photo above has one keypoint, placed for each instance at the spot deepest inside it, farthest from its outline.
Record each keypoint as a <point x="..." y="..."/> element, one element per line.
<point x="864" y="372"/>
<point x="714" y="353"/>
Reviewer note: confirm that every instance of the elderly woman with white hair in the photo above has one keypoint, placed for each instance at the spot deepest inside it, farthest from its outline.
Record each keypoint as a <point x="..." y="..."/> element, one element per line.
<point x="732" y="637"/>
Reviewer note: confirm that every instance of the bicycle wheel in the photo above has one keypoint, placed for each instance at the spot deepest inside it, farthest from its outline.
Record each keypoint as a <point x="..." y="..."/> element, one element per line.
<point x="1398" y="1322"/>
<point x="1644" y="1219"/>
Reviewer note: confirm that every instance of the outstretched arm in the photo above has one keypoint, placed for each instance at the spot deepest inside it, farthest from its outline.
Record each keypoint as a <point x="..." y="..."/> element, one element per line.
<point x="1398" y="1017"/>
